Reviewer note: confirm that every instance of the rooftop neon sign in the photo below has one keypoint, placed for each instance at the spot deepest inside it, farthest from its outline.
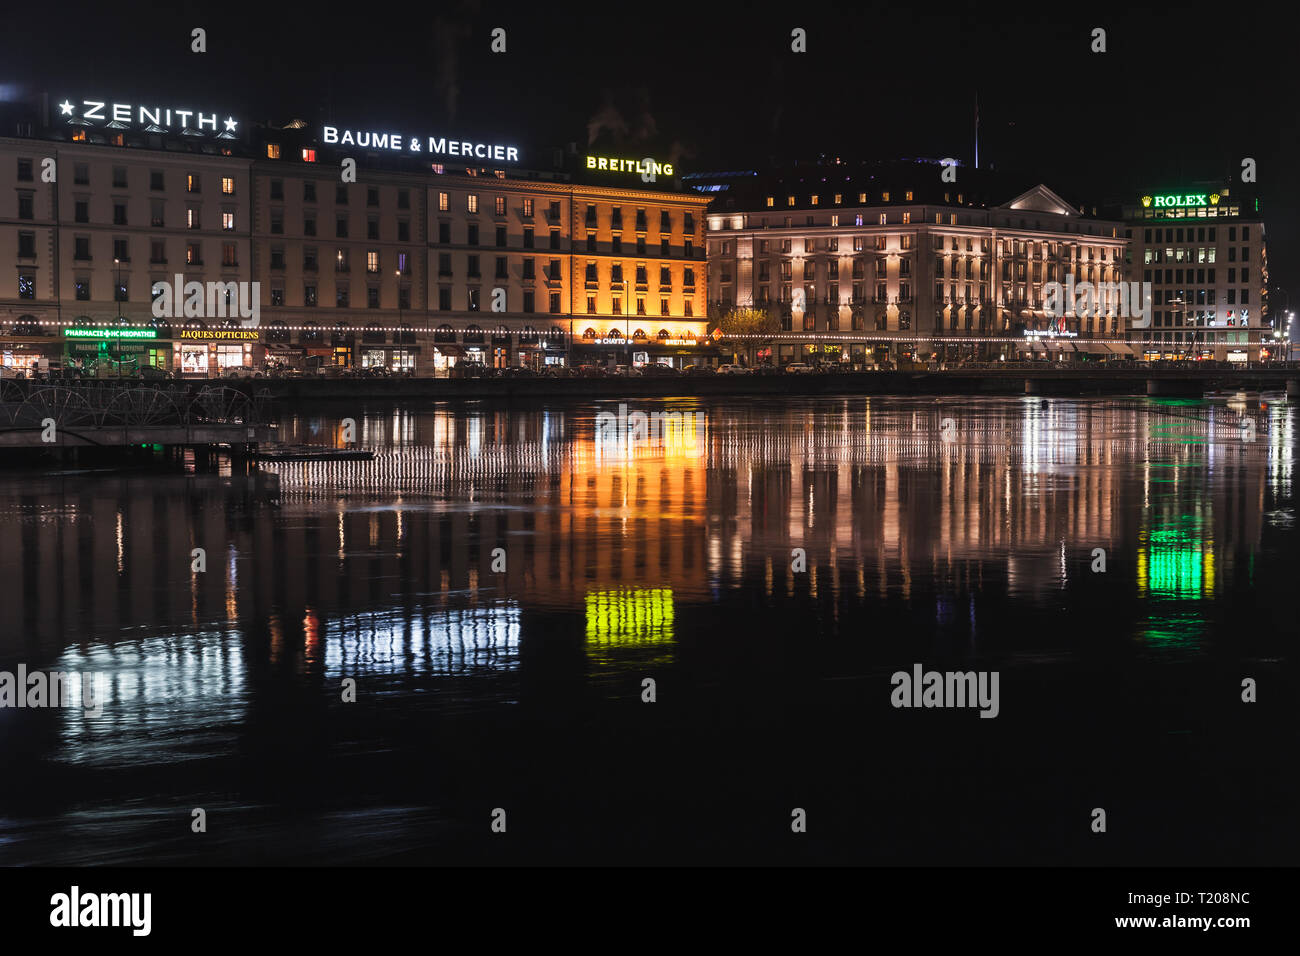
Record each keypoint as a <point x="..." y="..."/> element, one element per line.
<point x="1176" y="200"/>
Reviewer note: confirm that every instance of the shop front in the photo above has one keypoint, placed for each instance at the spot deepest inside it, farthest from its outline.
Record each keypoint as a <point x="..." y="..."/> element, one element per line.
<point x="29" y="357"/>
<point x="114" y="351"/>
<point x="216" y="353"/>
<point x="392" y="358"/>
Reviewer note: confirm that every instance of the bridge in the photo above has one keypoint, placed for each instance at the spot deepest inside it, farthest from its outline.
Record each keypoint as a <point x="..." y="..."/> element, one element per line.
<point x="105" y="415"/>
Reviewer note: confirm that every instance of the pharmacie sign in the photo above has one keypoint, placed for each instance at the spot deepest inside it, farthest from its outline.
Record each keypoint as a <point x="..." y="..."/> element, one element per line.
<point x="149" y="119"/>
<point x="436" y="146"/>
<point x="76" y="333"/>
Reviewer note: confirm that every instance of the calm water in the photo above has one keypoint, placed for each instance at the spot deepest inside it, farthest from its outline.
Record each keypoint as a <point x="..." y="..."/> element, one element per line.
<point x="959" y="534"/>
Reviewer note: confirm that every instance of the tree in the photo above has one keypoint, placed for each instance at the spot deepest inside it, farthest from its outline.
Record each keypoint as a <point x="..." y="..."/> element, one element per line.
<point x="754" y="327"/>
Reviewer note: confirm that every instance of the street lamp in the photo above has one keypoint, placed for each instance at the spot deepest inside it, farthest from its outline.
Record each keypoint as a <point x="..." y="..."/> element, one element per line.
<point x="117" y="295"/>
<point x="627" y="338"/>
<point x="398" y="274"/>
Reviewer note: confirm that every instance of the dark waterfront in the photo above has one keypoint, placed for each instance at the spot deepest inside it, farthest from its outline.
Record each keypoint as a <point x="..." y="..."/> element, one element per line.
<point x="959" y="545"/>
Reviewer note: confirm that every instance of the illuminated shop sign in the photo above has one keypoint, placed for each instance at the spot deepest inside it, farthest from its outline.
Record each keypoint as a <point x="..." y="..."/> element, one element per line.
<point x="109" y="334"/>
<point x="437" y="145"/>
<point x="240" y="335"/>
<point x="1176" y="201"/>
<point x="149" y="119"/>
<point x="642" y="167"/>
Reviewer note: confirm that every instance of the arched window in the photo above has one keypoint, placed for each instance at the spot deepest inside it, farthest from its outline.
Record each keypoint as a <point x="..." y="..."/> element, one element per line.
<point x="501" y="336"/>
<point x="615" y="334"/>
<point x="473" y="335"/>
<point x="444" y="333"/>
<point x="373" y="334"/>
<point x="406" y="335"/>
<point x="639" y="335"/>
<point x="343" y="336"/>
<point x="663" y="335"/>
<point x="528" y="336"/>
<point x="310" y="332"/>
<point x="589" y="335"/>
<point x="277" y="332"/>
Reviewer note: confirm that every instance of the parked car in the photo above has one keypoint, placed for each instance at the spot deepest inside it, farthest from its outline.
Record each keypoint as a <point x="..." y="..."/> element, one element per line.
<point x="798" y="368"/>
<point x="469" y="370"/>
<point x="659" y="371"/>
<point x="626" y="371"/>
<point x="518" y="371"/>
<point x="151" y="373"/>
<point x="699" y="370"/>
<point x="558" y="371"/>
<point x="590" y="371"/>
<point x="732" y="370"/>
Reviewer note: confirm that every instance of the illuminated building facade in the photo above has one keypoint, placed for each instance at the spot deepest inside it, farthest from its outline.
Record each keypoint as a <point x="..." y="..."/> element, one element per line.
<point x="1202" y="249"/>
<point x="415" y="264"/>
<point x="869" y="263"/>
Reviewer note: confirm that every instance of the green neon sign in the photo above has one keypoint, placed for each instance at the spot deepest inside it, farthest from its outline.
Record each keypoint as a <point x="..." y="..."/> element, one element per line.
<point x="1180" y="200"/>
<point x="109" y="334"/>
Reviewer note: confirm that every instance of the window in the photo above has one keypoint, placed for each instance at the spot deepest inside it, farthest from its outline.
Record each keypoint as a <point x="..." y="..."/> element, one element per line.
<point x="27" y="245"/>
<point x="81" y="174"/>
<point x="501" y="268"/>
<point x="277" y="188"/>
<point x="309" y="224"/>
<point x="193" y="254"/>
<point x="471" y="203"/>
<point x="227" y="186"/>
<point x="25" y="170"/>
<point x="341" y="296"/>
<point x="309" y="259"/>
<point x="403" y="199"/>
<point x="372" y="228"/>
<point x="372" y="196"/>
<point x="529" y="300"/>
<point x="664" y="305"/>
<point x="555" y="302"/>
<point x="228" y="255"/>
<point x="403" y="230"/>
<point x="528" y="237"/>
<point x="228" y="221"/>
<point x="555" y="238"/>
<point x="528" y="208"/>
<point x="309" y="191"/>
<point x="471" y="268"/>
<point x="444" y="299"/>
<point x="341" y="227"/>
<point x="192" y="183"/>
<point x="26" y="286"/>
<point x="444" y="202"/>
<point x="83" y="289"/>
<point x="121" y="250"/>
<point x="404" y="263"/>
<point x="272" y="150"/>
<point x="309" y="300"/>
<point x="340" y="195"/>
<point x="192" y="217"/>
<point x="372" y="297"/>
<point x="372" y="260"/>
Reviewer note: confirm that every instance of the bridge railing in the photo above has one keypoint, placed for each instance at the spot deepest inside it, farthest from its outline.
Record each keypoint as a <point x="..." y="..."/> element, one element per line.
<point x="108" y="405"/>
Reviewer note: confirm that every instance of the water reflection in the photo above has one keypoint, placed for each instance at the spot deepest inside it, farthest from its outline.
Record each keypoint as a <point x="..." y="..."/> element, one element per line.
<point x="485" y="543"/>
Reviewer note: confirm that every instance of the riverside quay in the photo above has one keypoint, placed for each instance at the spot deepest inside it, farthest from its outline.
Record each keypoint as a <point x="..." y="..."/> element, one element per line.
<point x="362" y="249"/>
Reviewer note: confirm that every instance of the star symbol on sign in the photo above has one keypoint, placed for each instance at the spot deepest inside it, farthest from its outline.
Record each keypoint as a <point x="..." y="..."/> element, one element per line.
<point x="66" y="107"/>
<point x="230" y="125"/>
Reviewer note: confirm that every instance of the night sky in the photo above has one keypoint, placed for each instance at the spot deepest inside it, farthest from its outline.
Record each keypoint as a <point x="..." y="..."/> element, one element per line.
<point x="1181" y="94"/>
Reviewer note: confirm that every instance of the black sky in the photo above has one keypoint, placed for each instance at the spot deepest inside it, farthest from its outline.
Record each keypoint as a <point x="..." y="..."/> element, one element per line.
<point x="1182" y="93"/>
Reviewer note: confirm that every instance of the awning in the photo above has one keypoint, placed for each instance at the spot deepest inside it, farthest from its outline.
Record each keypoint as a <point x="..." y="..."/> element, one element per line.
<point x="285" y="349"/>
<point x="454" y="350"/>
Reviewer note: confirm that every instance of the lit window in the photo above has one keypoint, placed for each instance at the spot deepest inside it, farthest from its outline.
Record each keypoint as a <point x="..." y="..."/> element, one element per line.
<point x="444" y="202"/>
<point x="228" y="221"/>
<point x="771" y="201"/>
<point x="789" y="200"/>
<point x="471" y="203"/>
<point x="814" y="199"/>
<point x="308" y="155"/>
<point x="228" y="186"/>
<point x="272" y="150"/>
